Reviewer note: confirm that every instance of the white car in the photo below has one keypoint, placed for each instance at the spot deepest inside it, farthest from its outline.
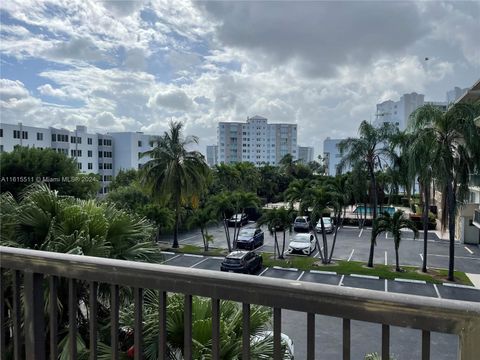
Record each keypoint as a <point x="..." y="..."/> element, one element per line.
<point x="287" y="343"/>
<point x="327" y="223"/>
<point x="303" y="244"/>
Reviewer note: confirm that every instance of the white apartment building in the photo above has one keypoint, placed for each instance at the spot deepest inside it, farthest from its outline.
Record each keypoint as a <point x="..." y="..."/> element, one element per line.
<point x="256" y="141"/>
<point x="103" y="154"/>
<point x="212" y="155"/>
<point x="305" y="154"/>
<point x="332" y="157"/>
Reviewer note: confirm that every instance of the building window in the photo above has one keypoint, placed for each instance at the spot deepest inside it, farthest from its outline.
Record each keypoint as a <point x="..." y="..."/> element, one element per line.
<point x="89" y="153"/>
<point x="139" y="143"/>
<point x="16" y="134"/>
<point x="100" y="166"/>
<point x="25" y="135"/>
<point x="100" y="154"/>
<point x="90" y="166"/>
<point x="1" y="132"/>
<point x="79" y="166"/>
<point x="89" y="141"/>
<point x="40" y="136"/>
<point x="100" y="142"/>
<point x="54" y="137"/>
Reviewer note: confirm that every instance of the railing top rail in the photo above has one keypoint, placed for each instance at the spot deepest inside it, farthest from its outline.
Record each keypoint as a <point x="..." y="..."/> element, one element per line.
<point x="425" y="313"/>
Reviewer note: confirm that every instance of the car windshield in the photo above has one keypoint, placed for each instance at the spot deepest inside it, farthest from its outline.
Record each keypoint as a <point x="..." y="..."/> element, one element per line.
<point x="300" y="220"/>
<point x="301" y="239"/>
<point x="247" y="232"/>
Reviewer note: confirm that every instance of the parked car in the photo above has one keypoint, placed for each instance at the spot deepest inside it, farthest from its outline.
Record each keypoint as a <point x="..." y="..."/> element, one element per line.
<point x="238" y="220"/>
<point x="302" y="223"/>
<point x="303" y="244"/>
<point x="287" y="343"/>
<point x="250" y="238"/>
<point x="242" y="261"/>
<point x="327" y="223"/>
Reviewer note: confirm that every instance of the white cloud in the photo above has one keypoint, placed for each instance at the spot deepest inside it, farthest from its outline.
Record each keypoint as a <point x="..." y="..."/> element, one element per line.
<point x="174" y="99"/>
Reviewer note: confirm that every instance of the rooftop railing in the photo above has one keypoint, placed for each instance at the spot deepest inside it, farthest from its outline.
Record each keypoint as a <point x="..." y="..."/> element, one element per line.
<point x="41" y="268"/>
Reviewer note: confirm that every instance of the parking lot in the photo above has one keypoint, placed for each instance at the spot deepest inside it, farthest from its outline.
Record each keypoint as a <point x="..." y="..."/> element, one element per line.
<point x="366" y="337"/>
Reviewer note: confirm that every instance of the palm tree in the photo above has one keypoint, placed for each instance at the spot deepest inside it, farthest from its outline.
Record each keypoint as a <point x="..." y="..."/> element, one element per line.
<point x="394" y="224"/>
<point x="223" y="205"/>
<point x="297" y="191"/>
<point x="455" y="148"/>
<point x="173" y="173"/>
<point x="202" y="218"/>
<point x="370" y="151"/>
<point x="242" y="200"/>
<point x="277" y="220"/>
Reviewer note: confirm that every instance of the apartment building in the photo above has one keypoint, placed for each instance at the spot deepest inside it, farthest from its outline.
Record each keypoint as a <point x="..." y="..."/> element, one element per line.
<point x="332" y="157"/>
<point x="305" y="154"/>
<point x="212" y="155"/>
<point x="256" y="141"/>
<point x="103" y="154"/>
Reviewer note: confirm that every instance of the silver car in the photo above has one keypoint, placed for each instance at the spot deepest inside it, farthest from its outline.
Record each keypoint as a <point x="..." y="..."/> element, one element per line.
<point x="301" y="223"/>
<point x="327" y="224"/>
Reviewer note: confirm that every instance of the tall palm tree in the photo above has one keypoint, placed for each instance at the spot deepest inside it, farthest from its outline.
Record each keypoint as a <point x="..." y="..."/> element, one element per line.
<point x="456" y="146"/>
<point x="277" y="220"/>
<point x="371" y="150"/>
<point x="297" y="191"/>
<point x="394" y="224"/>
<point x="174" y="174"/>
<point x="242" y="200"/>
<point x="223" y="205"/>
<point x="202" y="218"/>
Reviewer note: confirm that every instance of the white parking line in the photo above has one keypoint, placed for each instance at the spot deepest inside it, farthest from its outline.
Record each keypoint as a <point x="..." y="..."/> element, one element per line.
<point x="217" y="257"/>
<point x="470" y="251"/>
<point x="421" y="256"/>
<point x="172" y="258"/>
<point x="263" y="271"/>
<point x="461" y="286"/>
<point x="286" y="269"/>
<point x="193" y="255"/>
<point x="386" y="285"/>
<point x="361" y="231"/>
<point x="341" y="281"/>
<point x="168" y="252"/>
<point x="188" y="238"/>
<point x="351" y="254"/>
<point x="323" y="272"/>
<point x="458" y="257"/>
<point x="386" y="235"/>
<point x="364" y="276"/>
<point x="386" y="263"/>
<point x="411" y="281"/>
<point x="198" y="263"/>
<point x="436" y="290"/>
<point x="303" y="272"/>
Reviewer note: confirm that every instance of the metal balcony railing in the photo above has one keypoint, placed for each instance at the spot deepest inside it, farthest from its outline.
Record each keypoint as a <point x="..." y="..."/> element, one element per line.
<point x="387" y="309"/>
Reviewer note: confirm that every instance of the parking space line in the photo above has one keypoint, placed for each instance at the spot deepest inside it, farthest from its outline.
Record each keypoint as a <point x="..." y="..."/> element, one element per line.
<point x="172" y="258"/>
<point x="351" y="254"/>
<point x="193" y="255"/>
<point x="263" y="271"/>
<point x="364" y="276"/>
<point x="323" y="272"/>
<point x="188" y="238"/>
<point x="216" y="257"/>
<point x="303" y="272"/>
<point x="436" y="290"/>
<point x="386" y="263"/>
<point x="461" y="286"/>
<point x="386" y="285"/>
<point x="198" y="263"/>
<point x="411" y="281"/>
<point x="421" y="256"/>
<point x="361" y="231"/>
<point x="341" y="281"/>
<point x="168" y="252"/>
<point x="457" y="257"/>
<point x="386" y="235"/>
<point x="470" y="251"/>
<point x="286" y="269"/>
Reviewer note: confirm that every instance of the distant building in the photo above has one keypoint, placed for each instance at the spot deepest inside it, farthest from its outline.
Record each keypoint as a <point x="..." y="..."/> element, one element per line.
<point x="103" y="154"/>
<point x="212" y="155"/>
<point x="455" y="94"/>
<point x="398" y="112"/>
<point x="256" y="141"/>
<point x="305" y="154"/>
<point x="332" y="157"/>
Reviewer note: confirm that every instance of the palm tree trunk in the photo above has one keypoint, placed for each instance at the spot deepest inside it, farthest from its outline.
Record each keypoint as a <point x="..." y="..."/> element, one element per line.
<point x="276" y="249"/>
<point x="175" y="227"/>
<point x="397" y="262"/>
<point x="451" y="230"/>
<point x="425" y="224"/>
<point x="322" y="258"/>
<point x="324" y="238"/>
<point x="227" y="232"/>
<point x="205" y="246"/>
<point x="374" y="215"/>
<point x="283" y="247"/>
<point x="334" y="237"/>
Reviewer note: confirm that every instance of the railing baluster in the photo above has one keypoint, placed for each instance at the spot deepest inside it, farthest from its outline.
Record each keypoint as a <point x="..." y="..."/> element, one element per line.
<point x="277" y="333"/>
<point x="72" y="318"/>
<point x="16" y="315"/>
<point x="114" y="313"/>
<point x="162" y="326"/>
<point x="138" y="329"/>
<point x="346" y="339"/>
<point x="53" y="317"/>
<point x="425" y="345"/>
<point x="187" y="336"/>
<point x="215" y="329"/>
<point x="385" y="342"/>
<point x="246" y="332"/>
<point x="310" y="336"/>
<point x="2" y="315"/>
<point x="93" y="319"/>
<point x="34" y="322"/>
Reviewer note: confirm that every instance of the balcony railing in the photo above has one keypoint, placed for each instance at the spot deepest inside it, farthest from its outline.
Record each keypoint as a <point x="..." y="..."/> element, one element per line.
<point x="386" y="309"/>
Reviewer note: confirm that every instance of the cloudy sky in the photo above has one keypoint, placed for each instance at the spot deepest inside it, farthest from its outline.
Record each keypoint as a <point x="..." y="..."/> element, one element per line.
<point x="133" y="65"/>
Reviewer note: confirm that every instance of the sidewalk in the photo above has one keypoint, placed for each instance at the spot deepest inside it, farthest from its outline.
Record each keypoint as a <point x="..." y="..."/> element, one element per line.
<point x="475" y="279"/>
